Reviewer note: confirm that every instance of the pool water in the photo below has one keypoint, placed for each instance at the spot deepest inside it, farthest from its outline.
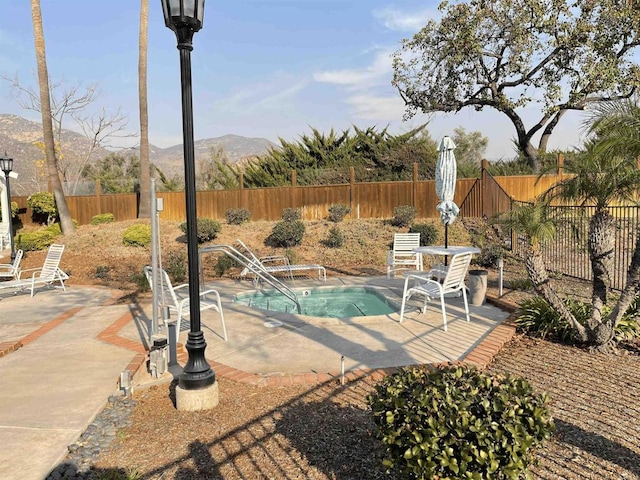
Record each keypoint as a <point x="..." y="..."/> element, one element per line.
<point x="338" y="302"/>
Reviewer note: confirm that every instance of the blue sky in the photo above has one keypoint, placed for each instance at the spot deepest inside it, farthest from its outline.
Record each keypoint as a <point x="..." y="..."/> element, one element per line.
<point x="261" y="68"/>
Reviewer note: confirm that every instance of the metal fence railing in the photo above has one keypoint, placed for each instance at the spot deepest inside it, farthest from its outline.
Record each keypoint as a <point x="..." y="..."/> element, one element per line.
<point x="568" y="253"/>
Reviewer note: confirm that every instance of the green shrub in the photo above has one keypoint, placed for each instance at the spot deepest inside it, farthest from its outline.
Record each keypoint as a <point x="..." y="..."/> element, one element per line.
<point x="102" y="272"/>
<point x="36" y="240"/>
<point x="428" y="233"/>
<point x="403" y="216"/>
<point x="175" y="264"/>
<point x="139" y="279"/>
<point x="14" y="211"/>
<point x="43" y="206"/>
<point x="286" y="234"/>
<point x="138" y="235"/>
<point x="103" y="218"/>
<point x="237" y="216"/>
<point x="56" y="229"/>
<point x="337" y="212"/>
<point x="208" y="229"/>
<point x="489" y="255"/>
<point x="458" y="423"/>
<point x="335" y="239"/>
<point x="291" y="214"/>
<point x="522" y="283"/>
<point x="225" y="263"/>
<point x="537" y="318"/>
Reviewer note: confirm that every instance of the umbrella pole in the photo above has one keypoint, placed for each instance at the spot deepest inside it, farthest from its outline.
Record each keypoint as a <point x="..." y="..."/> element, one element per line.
<point x="446" y="241"/>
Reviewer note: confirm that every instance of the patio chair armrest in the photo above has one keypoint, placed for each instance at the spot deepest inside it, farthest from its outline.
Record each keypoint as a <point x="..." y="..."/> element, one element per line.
<point x="6" y="266"/>
<point x="26" y="270"/>
<point x="215" y="292"/>
<point x="182" y="285"/>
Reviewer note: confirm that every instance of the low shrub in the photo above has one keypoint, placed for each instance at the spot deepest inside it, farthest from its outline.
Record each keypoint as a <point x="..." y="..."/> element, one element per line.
<point x="291" y="214"/>
<point x="43" y="207"/>
<point x="103" y="218"/>
<point x="237" y="216"/>
<point x="35" y="240"/>
<point x="537" y="318"/>
<point x="225" y="263"/>
<point x="428" y="233"/>
<point x="403" y="216"/>
<point x="458" y="423"/>
<point x="335" y="238"/>
<point x="489" y="255"/>
<point x="138" y="235"/>
<point x="175" y="264"/>
<point x="56" y="229"/>
<point x="286" y="234"/>
<point x="102" y="272"/>
<point x="208" y="229"/>
<point x="337" y="212"/>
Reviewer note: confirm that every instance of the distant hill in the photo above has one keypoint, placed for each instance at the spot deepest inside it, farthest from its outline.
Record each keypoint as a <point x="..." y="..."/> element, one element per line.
<point x="17" y="137"/>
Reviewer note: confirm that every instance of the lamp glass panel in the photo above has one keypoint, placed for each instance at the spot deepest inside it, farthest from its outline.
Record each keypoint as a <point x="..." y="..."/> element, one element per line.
<point x="174" y="7"/>
<point x="165" y="10"/>
<point x="189" y="8"/>
<point x="6" y="164"/>
<point x="200" y="12"/>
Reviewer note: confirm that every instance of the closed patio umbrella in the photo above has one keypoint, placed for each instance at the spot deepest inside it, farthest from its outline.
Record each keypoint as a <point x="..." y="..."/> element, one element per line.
<point x="446" y="173"/>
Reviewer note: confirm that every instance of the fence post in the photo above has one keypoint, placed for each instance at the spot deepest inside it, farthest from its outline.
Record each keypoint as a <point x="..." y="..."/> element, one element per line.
<point x="483" y="184"/>
<point x="352" y="187"/>
<point x="97" y="193"/>
<point x="560" y="165"/>
<point x="293" y="189"/>
<point x="414" y="186"/>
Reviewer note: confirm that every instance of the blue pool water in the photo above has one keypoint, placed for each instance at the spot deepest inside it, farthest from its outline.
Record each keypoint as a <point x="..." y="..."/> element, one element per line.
<point x="337" y="302"/>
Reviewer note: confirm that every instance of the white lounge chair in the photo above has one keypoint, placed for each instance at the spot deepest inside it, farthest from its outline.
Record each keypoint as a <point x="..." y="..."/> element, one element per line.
<point x="11" y="270"/>
<point x="265" y="264"/>
<point x="403" y="256"/>
<point x="429" y="288"/>
<point x="48" y="274"/>
<point x="177" y="298"/>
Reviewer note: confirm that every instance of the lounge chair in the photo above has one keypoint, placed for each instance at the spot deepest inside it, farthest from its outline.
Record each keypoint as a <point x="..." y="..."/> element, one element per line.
<point x="265" y="264"/>
<point x="403" y="256"/>
<point x="177" y="298"/>
<point x="429" y="288"/>
<point x="48" y="274"/>
<point x="11" y="270"/>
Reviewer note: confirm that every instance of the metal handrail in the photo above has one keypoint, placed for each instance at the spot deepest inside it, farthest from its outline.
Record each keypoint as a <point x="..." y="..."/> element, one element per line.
<point x="252" y="266"/>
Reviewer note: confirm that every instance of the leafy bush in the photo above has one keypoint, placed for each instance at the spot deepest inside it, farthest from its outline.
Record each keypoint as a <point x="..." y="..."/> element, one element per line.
<point x="103" y="218"/>
<point x="403" y="216"/>
<point x="43" y="206"/>
<point x="335" y="239"/>
<point x="489" y="255"/>
<point x="138" y="235"/>
<point x="286" y="234"/>
<point x="291" y="214"/>
<point x="539" y="319"/>
<point x="175" y="264"/>
<point x="237" y="216"/>
<point x="428" y="233"/>
<point x="208" y="229"/>
<point x="36" y="240"/>
<point x="337" y="212"/>
<point x="225" y="263"/>
<point x="56" y="229"/>
<point x="14" y="211"/>
<point x="458" y="423"/>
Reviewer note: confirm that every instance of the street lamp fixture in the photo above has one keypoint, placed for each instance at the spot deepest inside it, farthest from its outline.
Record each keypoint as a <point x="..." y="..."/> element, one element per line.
<point x="6" y="165"/>
<point x="184" y="17"/>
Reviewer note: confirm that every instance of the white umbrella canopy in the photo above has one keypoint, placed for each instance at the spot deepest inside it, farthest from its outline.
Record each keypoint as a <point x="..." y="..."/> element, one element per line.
<point x="446" y="172"/>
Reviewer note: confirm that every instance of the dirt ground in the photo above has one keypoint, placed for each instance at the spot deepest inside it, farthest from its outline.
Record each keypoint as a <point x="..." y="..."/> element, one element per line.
<point x="326" y="431"/>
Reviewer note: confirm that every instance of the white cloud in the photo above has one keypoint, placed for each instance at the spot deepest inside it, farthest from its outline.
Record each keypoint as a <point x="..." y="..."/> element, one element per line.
<point x="368" y="106"/>
<point x="397" y="20"/>
<point x="378" y="72"/>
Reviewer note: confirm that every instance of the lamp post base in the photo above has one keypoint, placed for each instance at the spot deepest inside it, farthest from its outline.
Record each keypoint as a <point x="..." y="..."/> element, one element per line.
<point x="197" y="374"/>
<point x="197" y="400"/>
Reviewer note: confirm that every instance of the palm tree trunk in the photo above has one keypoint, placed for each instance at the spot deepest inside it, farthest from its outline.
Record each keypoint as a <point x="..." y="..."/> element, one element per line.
<point x="144" y="207"/>
<point x="538" y="275"/>
<point x="601" y="247"/>
<point x="66" y="223"/>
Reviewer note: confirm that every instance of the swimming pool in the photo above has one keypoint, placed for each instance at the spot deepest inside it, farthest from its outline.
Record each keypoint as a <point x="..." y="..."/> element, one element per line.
<point x="329" y="302"/>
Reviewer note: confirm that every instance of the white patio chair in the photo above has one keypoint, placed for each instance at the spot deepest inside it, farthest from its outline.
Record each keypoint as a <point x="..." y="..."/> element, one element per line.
<point x="453" y="282"/>
<point x="177" y="299"/>
<point x="48" y="274"/>
<point x="11" y="270"/>
<point x="265" y="264"/>
<point x="403" y="256"/>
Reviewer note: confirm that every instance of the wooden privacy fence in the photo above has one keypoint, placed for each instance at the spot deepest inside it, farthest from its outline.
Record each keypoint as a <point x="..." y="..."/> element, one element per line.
<point x="477" y="197"/>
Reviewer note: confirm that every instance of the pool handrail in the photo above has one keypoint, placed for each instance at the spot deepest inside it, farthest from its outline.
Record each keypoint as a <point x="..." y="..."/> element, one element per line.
<point x="254" y="268"/>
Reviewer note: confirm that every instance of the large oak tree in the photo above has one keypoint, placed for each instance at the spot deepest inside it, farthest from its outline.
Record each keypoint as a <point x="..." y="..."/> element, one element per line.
<point x="509" y="54"/>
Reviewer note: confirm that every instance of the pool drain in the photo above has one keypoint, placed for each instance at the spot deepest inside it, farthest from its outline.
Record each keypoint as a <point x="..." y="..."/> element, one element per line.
<point x="273" y="324"/>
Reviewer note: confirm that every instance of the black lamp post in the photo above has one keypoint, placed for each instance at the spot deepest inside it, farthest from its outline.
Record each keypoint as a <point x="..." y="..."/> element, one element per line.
<point x="184" y="17"/>
<point x="6" y="165"/>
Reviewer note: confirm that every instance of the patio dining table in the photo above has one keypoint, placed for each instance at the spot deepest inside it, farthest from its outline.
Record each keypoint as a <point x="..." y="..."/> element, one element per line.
<point x="439" y="254"/>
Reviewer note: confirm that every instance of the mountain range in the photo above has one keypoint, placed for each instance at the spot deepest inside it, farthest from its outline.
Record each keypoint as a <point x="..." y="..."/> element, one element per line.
<point x="18" y="137"/>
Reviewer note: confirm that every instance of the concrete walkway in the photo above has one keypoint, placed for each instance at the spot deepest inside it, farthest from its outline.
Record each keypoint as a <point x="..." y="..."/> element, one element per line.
<point x="61" y="355"/>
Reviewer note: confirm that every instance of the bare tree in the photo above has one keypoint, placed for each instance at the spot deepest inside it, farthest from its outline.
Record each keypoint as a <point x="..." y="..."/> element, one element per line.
<point x="66" y="223"/>
<point x="72" y="103"/>
<point x="144" y="207"/>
